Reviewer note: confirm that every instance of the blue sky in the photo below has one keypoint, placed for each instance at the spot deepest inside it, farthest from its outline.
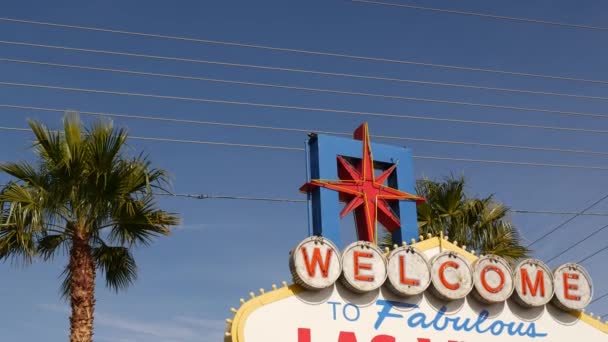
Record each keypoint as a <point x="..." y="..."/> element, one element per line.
<point x="188" y="282"/>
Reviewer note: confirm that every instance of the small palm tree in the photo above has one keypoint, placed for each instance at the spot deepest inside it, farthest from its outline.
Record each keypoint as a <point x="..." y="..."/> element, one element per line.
<point x="86" y="198"/>
<point x="480" y="223"/>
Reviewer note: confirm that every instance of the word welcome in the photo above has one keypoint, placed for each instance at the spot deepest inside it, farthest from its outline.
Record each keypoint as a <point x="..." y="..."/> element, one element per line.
<point x="316" y="263"/>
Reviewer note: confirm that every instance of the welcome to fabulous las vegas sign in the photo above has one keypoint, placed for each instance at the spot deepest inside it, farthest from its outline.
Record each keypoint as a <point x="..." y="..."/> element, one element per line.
<point x="429" y="290"/>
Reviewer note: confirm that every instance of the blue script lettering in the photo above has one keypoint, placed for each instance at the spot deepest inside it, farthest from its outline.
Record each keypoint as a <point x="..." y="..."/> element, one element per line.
<point x="441" y="322"/>
<point x="386" y="308"/>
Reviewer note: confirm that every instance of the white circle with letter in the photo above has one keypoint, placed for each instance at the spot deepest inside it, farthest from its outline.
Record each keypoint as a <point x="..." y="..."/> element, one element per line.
<point x="493" y="279"/>
<point x="315" y="263"/>
<point x="452" y="276"/>
<point x="363" y="267"/>
<point x="533" y="283"/>
<point x="409" y="272"/>
<point x="573" y="287"/>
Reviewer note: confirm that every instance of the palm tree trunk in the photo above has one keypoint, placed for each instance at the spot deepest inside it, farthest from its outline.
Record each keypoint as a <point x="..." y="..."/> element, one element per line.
<point x="82" y="290"/>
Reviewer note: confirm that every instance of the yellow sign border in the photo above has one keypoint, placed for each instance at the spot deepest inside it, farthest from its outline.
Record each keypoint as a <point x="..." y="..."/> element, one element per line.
<point x="236" y="327"/>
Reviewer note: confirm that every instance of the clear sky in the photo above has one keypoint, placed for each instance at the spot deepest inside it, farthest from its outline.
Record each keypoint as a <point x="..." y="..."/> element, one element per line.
<point x="188" y="282"/>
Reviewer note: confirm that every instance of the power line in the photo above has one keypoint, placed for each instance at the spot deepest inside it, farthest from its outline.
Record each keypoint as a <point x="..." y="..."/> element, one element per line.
<point x="242" y="198"/>
<point x="485" y="15"/>
<point x="307" y="89"/>
<point x="201" y="142"/>
<point x="578" y="243"/>
<point x="469" y="160"/>
<point x="270" y="68"/>
<point x="592" y="255"/>
<point x="206" y="100"/>
<point x="398" y="116"/>
<point x="506" y="162"/>
<point x="186" y="141"/>
<point x="599" y="298"/>
<point x="272" y="199"/>
<point x="293" y="200"/>
<point x="568" y="220"/>
<point x="301" y="51"/>
<point x="301" y="130"/>
<point x="549" y="212"/>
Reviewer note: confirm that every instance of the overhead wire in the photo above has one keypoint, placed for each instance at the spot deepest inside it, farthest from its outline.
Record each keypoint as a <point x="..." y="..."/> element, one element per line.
<point x="187" y="141"/>
<point x="272" y="68"/>
<point x="429" y="118"/>
<point x="423" y="157"/>
<point x="207" y="100"/>
<point x="485" y="15"/>
<point x="593" y="254"/>
<point x="301" y="130"/>
<point x="307" y="89"/>
<point x="597" y="231"/>
<point x="549" y="212"/>
<point x="599" y="298"/>
<point x="243" y="198"/>
<point x="589" y="207"/>
<point x="298" y="51"/>
<point x="200" y="196"/>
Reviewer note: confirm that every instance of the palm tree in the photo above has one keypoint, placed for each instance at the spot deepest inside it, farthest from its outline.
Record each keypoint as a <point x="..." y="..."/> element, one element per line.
<point x="83" y="197"/>
<point x="479" y="223"/>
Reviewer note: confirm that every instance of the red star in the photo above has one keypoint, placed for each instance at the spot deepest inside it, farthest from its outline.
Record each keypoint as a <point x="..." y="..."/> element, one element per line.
<point x="365" y="193"/>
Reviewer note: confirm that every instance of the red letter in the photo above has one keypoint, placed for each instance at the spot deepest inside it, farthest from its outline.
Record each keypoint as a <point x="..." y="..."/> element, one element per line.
<point x="303" y="335"/>
<point x="347" y="336"/>
<point x="485" y="283"/>
<point x="311" y="266"/>
<point x="444" y="281"/>
<point x="402" y="277"/>
<point x="568" y="286"/>
<point x="538" y="282"/>
<point x="359" y="266"/>
<point x="383" y="338"/>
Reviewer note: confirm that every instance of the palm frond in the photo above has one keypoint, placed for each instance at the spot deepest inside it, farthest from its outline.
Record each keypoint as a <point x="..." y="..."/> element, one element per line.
<point x="502" y="239"/>
<point x="48" y="145"/>
<point x="65" y="287"/>
<point x="72" y="134"/>
<point x="104" y="146"/>
<point x="48" y="245"/>
<point x="16" y="243"/>
<point x="481" y="223"/>
<point x="26" y="207"/>
<point x="137" y="221"/>
<point x="117" y="264"/>
<point x="25" y="172"/>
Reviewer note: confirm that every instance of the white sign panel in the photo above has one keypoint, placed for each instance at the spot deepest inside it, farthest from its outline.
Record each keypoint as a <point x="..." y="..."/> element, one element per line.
<point x="336" y="315"/>
<point x="381" y="298"/>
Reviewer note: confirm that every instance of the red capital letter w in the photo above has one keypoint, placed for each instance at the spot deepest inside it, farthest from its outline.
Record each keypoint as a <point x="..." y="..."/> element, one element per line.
<point x="311" y="265"/>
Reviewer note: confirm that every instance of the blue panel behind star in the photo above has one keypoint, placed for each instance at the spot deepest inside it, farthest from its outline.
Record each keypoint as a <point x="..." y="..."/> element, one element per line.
<point x="326" y="207"/>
